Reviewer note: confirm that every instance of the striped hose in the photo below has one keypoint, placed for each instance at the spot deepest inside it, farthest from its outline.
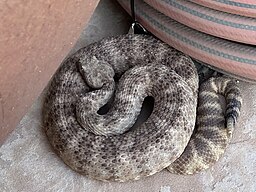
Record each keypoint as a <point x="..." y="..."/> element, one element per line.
<point x="223" y="40"/>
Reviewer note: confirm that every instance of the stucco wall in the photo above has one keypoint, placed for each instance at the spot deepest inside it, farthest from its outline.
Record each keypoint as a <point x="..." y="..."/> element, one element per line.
<point x="35" y="36"/>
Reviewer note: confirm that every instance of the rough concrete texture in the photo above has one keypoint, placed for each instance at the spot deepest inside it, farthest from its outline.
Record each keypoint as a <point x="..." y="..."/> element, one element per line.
<point x="27" y="162"/>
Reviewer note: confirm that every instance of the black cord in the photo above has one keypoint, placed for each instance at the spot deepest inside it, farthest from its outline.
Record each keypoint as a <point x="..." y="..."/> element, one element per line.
<point x="136" y="26"/>
<point x="132" y="11"/>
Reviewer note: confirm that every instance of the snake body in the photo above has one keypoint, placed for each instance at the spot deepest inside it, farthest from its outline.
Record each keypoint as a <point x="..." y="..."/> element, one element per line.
<point x="130" y="68"/>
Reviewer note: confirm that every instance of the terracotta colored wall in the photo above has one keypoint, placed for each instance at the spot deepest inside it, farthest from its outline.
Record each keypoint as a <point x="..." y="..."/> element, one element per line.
<point x="35" y="36"/>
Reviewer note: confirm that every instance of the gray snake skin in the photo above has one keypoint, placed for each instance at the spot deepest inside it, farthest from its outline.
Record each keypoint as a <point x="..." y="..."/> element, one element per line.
<point x="128" y="69"/>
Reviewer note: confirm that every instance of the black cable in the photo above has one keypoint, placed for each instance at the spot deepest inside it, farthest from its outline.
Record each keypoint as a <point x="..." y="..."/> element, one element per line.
<point x="137" y="27"/>
<point x="132" y="11"/>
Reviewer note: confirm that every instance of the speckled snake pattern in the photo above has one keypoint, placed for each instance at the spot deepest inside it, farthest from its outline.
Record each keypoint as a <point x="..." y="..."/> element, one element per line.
<point x="187" y="131"/>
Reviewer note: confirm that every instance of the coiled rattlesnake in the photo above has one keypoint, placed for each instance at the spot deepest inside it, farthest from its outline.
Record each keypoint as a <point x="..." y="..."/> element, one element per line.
<point x="103" y="146"/>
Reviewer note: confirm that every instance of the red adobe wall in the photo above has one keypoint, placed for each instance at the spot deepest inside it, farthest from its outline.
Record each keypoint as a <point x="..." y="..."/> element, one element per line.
<point x="35" y="36"/>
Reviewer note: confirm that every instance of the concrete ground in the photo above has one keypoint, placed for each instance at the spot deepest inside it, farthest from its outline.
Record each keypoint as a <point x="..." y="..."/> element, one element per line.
<point x="27" y="162"/>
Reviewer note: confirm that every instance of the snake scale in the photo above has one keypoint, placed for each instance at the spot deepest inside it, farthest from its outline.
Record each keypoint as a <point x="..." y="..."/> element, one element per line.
<point x="127" y="69"/>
